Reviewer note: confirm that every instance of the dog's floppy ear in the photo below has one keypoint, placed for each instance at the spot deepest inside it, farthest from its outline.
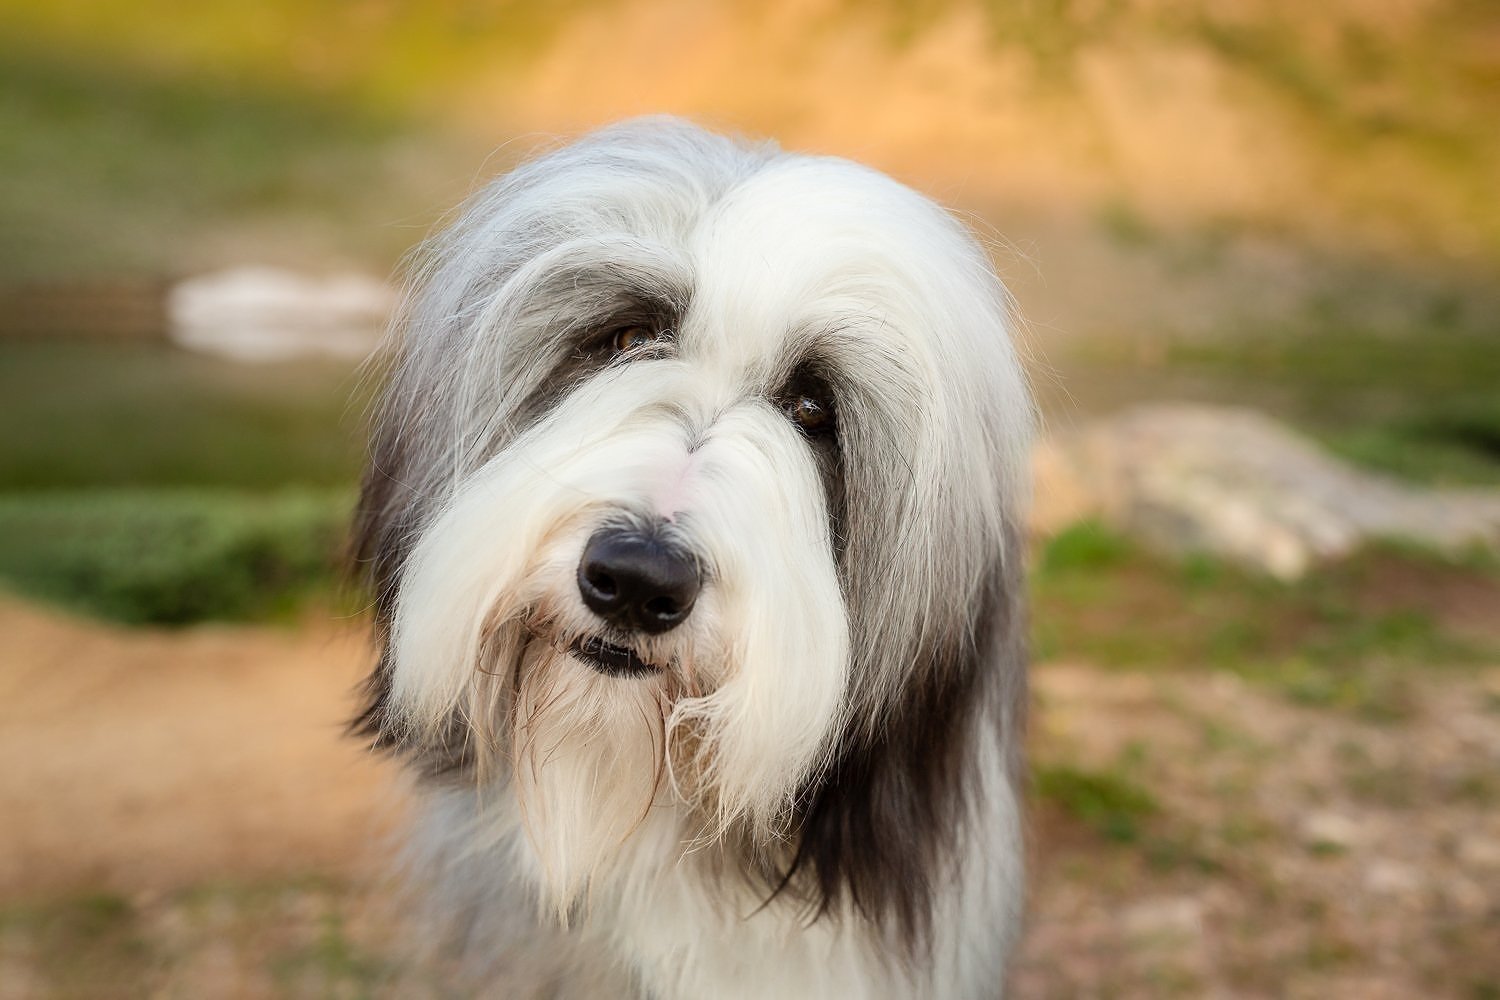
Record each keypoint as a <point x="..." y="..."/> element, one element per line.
<point x="881" y="825"/>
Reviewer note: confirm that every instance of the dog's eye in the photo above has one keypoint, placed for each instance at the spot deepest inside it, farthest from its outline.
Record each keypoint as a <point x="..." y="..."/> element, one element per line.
<point x="813" y="414"/>
<point x="630" y="338"/>
<point x="808" y="402"/>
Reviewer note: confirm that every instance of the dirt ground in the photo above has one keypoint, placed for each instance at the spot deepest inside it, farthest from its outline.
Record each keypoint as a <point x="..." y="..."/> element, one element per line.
<point x="180" y="817"/>
<point x="140" y="760"/>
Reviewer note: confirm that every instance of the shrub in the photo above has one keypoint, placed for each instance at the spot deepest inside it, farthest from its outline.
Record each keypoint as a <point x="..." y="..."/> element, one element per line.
<point x="145" y="556"/>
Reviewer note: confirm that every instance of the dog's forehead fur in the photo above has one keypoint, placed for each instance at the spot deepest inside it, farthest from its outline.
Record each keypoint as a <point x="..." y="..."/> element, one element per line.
<point x="755" y="256"/>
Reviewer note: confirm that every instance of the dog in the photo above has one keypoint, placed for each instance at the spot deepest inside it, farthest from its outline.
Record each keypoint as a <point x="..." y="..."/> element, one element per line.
<point x="693" y="521"/>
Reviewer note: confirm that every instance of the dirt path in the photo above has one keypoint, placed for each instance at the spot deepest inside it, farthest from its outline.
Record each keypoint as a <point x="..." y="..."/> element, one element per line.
<point x="179" y="814"/>
<point x="141" y="760"/>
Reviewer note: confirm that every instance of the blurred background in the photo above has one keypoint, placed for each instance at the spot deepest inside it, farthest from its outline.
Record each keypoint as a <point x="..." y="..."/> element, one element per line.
<point x="1255" y="244"/>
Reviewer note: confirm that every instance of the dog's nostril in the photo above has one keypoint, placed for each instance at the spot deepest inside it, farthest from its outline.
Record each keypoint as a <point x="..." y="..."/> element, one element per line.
<point x="662" y="607"/>
<point x="635" y="581"/>
<point x="603" y="584"/>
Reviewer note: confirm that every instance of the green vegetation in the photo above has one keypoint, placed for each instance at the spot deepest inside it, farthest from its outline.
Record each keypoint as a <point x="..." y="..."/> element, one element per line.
<point x="1422" y="407"/>
<point x="117" y="170"/>
<point x="1447" y="360"/>
<point x="147" y="484"/>
<point x="1419" y="404"/>
<point x="331" y="965"/>
<point x="1448" y="441"/>
<point x="299" y="128"/>
<point x="290" y="937"/>
<point x="80" y="415"/>
<point x="1349" y="636"/>
<point x="1108" y="802"/>
<point x="89" y="939"/>
<point x="172" y="557"/>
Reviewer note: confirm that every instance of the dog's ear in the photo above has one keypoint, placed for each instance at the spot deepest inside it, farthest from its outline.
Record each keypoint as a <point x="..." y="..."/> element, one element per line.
<point x="881" y="825"/>
<point x="378" y="544"/>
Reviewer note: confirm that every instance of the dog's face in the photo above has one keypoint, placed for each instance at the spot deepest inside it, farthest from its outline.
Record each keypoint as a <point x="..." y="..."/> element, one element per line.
<point x="692" y="489"/>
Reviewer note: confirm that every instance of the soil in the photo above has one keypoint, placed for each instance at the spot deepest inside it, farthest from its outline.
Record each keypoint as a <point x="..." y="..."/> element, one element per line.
<point x="182" y="817"/>
<point x="150" y="760"/>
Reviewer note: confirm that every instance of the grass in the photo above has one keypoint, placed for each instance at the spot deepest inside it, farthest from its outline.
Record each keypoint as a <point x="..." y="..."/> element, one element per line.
<point x="1419" y="405"/>
<point x="1349" y="636"/>
<point x="1418" y="408"/>
<point x="85" y="941"/>
<point x="152" y="485"/>
<point x="92" y="415"/>
<point x="284" y="938"/>
<point x="1108" y="802"/>
<point x="114" y="170"/>
<point x="1450" y="442"/>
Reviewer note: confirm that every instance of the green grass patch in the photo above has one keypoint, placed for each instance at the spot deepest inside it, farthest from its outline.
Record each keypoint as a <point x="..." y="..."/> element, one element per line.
<point x="1420" y="405"/>
<point x="151" y="485"/>
<point x="1108" y="802"/>
<point x="171" y="557"/>
<point x="1083" y="547"/>
<point x="1432" y="364"/>
<point x="288" y="937"/>
<point x="1449" y="441"/>
<point x="1350" y="635"/>
<point x="332" y="965"/>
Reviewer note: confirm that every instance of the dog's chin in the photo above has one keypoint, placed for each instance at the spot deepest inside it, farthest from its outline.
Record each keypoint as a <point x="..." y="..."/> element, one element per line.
<point x="610" y="659"/>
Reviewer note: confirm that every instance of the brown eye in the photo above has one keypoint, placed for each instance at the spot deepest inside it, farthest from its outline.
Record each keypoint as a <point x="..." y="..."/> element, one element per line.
<point x="812" y="414"/>
<point x="628" y="338"/>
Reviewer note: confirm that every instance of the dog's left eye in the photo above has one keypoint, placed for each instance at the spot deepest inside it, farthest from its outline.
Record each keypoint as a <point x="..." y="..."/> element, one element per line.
<point x="630" y="338"/>
<point x="811" y="413"/>
<point x="807" y="402"/>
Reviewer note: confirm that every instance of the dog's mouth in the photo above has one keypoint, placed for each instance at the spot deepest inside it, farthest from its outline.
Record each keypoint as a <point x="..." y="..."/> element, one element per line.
<point x="607" y="658"/>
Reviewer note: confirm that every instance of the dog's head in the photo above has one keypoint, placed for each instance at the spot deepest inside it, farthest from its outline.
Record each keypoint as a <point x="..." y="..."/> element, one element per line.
<point x="694" y="487"/>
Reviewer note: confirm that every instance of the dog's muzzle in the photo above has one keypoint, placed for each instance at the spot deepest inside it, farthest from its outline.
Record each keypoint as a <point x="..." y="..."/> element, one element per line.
<point x="637" y="581"/>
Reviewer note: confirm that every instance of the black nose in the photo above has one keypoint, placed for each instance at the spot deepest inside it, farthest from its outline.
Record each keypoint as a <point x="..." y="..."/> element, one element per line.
<point x="635" y="581"/>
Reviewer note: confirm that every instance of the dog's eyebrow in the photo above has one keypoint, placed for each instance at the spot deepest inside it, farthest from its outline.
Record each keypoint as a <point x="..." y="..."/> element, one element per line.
<point x="576" y="284"/>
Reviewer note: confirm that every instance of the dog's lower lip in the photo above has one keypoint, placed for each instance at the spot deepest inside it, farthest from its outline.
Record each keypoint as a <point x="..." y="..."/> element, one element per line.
<point x="610" y="659"/>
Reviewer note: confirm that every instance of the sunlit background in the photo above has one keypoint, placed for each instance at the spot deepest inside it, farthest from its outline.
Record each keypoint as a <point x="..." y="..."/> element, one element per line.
<point x="1255" y="247"/>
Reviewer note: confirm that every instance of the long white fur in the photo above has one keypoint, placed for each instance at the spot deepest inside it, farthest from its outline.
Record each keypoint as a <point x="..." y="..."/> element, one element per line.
<point x="612" y="800"/>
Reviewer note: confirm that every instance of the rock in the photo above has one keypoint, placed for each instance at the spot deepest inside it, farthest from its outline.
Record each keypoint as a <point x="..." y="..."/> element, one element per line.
<point x="268" y="314"/>
<point x="1478" y="852"/>
<point x="1235" y="483"/>
<point x="1178" y="916"/>
<point x="1391" y="878"/>
<point x="1330" y="830"/>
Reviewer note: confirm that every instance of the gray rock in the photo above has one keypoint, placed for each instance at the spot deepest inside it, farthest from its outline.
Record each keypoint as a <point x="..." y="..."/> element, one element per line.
<point x="1236" y="483"/>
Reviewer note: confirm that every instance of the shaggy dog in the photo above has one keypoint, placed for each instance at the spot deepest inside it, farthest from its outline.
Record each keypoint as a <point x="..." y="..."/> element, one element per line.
<point x="693" y="515"/>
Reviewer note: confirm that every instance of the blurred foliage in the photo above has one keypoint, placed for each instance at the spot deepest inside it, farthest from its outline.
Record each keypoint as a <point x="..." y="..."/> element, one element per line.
<point x="1437" y="360"/>
<point x="172" y="557"/>
<point x="108" y="109"/>
<point x="112" y="169"/>
<point x="1419" y="404"/>
<point x="382" y="55"/>
<point x="1422" y="407"/>
<point x="284" y="937"/>
<point x="1348" y="635"/>
<point x="81" y="414"/>
<point x="1109" y="802"/>
<point x="1451" y="441"/>
<point x="153" y="485"/>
